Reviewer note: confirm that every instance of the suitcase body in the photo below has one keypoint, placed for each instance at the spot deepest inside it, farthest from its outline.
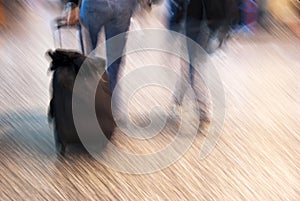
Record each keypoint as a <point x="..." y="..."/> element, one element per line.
<point x="65" y="65"/>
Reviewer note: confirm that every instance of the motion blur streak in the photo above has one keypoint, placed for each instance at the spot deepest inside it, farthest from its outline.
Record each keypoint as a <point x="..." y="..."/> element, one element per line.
<point x="256" y="158"/>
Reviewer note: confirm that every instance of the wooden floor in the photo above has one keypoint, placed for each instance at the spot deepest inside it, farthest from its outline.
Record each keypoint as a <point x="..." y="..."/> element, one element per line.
<point x="257" y="156"/>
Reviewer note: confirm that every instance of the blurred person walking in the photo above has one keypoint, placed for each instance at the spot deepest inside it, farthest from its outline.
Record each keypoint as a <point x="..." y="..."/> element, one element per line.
<point x="206" y="22"/>
<point x="187" y="18"/>
<point x="114" y="16"/>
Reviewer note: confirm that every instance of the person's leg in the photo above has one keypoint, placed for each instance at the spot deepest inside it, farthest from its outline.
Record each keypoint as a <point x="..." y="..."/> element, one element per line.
<point x="194" y="30"/>
<point x="115" y="48"/>
<point x="116" y="37"/>
<point x="176" y="23"/>
<point x="93" y="15"/>
<point x="182" y="83"/>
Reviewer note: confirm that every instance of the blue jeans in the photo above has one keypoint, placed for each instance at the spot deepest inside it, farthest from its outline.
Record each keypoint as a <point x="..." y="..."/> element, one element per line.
<point x="114" y="16"/>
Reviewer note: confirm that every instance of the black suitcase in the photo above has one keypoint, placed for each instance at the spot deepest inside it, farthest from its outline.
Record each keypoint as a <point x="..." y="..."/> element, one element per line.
<point x="65" y="65"/>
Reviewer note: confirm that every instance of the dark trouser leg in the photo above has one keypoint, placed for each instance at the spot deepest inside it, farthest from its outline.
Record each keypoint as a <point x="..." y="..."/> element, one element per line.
<point x="115" y="49"/>
<point x="195" y="31"/>
<point x="176" y="25"/>
<point x="93" y="15"/>
<point x="187" y="71"/>
<point x="115" y="44"/>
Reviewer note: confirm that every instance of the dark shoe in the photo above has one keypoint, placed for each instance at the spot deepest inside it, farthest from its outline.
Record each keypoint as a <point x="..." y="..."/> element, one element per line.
<point x="204" y="114"/>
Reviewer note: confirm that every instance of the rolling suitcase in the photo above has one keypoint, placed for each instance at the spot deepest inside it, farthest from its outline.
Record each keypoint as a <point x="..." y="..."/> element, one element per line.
<point x="60" y="23"/>
<point x="65" y="65"/>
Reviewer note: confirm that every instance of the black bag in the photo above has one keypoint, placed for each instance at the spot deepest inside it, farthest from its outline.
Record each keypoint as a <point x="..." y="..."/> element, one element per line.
<point x="66" y="64"/>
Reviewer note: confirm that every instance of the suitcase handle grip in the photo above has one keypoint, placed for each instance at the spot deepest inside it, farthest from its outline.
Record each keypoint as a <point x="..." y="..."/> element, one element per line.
<point x="61" y="22"/>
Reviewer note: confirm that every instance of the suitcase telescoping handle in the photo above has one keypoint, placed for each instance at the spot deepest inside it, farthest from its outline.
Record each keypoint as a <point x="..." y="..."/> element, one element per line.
<point x="58" y="24"/>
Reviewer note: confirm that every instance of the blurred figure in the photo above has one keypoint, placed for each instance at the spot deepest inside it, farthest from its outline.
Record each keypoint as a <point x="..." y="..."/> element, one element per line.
<point x="215" y="16"/>
<point x="187" y="17"/>
<point x="114" y="16"/>
<point x="206" y="22"/>
<point x="221" y="16"/>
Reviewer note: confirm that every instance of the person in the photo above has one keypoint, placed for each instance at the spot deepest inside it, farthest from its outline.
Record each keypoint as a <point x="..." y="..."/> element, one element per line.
<point x="187" y="18"/>
<point x="114" y="16"/>
<point x="199" y="20"/>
